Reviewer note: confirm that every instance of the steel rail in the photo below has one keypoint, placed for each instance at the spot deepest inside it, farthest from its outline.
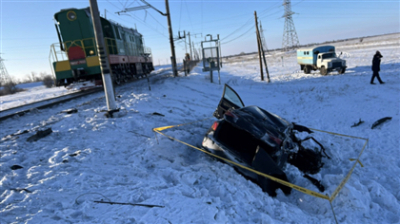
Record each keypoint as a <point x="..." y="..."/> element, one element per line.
<point x="42" y="104"/>
<point x="23" y="109"/>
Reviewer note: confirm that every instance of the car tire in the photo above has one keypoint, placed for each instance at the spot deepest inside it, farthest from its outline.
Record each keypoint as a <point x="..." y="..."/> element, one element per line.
<point x="342" y="70"/>
<point x="323" y="71"/>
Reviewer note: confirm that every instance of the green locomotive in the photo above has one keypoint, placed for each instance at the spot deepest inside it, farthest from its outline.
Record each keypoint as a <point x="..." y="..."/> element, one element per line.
<point x="78" y="58"/>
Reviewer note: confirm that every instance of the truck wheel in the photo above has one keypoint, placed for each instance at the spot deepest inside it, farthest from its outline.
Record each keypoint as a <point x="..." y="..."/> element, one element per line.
<point x="323" y="70"/>
<point x="307" y="69"/>
<point x="342" y="70"/>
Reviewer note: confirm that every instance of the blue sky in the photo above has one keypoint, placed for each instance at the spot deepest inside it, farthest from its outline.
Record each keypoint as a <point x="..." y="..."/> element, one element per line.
<point x="27" y="26"/>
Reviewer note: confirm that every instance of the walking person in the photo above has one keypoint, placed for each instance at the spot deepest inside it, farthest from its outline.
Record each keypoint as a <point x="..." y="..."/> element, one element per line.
<point x="376" y="67"/>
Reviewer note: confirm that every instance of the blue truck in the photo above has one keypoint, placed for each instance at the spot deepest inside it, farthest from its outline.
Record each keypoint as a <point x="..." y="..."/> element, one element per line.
<point x="322" y="58"/>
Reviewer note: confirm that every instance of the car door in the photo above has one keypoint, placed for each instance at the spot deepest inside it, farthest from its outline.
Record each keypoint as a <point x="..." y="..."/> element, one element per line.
<point x="230" y="100"/>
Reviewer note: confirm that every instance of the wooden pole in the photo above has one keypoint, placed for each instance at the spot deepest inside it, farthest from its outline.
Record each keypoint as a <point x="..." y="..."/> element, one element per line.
<point x="258" y="44"/>
<point x="263" y="54"/>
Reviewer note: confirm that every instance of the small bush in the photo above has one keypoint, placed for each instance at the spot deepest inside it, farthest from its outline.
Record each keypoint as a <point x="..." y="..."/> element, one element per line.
<point x="8" y="88"/>
<point x="48" y="81"/>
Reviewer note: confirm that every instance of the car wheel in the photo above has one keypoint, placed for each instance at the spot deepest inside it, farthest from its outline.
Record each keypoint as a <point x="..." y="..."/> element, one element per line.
<point x="323" y="70"/>
<point x="342" y="70"/>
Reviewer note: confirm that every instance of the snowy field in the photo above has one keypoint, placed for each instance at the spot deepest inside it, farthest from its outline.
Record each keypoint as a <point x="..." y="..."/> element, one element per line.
<point x="32" y="92"/>
<point x="89" y="157"/>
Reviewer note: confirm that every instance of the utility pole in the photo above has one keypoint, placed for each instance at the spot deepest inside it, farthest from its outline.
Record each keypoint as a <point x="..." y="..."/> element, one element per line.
<point x="261" y="45"/>
<point x="184" y="34"/>
<point x="190" y="47"/>
<point x="258" y="44"/>
<point x="104" y="64"/>
<point x="194" y="50"/>
<point x="171" y="40"/>
<point x="263" y="54"/>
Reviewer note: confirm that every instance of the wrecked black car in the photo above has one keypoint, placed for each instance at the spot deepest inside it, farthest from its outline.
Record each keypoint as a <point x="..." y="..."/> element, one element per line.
<point x="258" y="139"/>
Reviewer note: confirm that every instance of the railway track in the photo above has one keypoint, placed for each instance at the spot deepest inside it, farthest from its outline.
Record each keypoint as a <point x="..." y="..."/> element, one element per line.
<point x="22" y="110"/>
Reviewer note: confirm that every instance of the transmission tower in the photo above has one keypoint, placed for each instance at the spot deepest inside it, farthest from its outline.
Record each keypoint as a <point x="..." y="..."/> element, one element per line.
<point x="264" y="43"/>
<point x="4" y="77"/>
<point x="290" y="39"/>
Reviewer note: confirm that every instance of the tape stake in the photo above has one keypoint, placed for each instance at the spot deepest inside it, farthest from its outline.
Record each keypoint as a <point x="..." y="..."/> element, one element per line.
<point x="155" y="134"/>
<point x="333" y="211"/>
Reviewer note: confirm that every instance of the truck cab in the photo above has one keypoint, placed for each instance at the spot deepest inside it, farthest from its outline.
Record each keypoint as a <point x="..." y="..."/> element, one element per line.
<point x="321" y="58"/>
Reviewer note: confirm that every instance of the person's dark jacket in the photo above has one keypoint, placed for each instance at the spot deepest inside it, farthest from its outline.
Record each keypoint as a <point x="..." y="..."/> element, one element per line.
<point x="376" y="63"/>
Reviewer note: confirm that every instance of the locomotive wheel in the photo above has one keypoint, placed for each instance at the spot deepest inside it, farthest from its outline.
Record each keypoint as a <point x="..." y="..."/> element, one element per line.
<point x="118" y="79"/>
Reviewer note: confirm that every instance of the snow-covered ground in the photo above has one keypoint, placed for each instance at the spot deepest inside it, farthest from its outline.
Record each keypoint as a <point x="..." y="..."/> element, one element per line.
<point x="33" y="92"/>
<point x="89" y="157"/>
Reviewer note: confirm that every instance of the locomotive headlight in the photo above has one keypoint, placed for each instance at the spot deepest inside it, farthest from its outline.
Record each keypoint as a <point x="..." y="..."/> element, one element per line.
<point x="91" y="52"/>
<point x="71" y="15"/>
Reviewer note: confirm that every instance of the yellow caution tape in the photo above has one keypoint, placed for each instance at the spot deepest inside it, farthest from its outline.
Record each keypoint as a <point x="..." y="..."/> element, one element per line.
<point x="333" y="133"/>
<point x="172" y="126"/>
<point x="293" y="186"/>
<point x="348" y="175"/>
<point x="357" y="161"/>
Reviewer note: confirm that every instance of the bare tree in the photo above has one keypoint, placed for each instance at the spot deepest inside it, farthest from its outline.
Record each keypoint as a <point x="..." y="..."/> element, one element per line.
<point x="43" y="75"/>
<point x="28" y="78"/>
<point x="48" y="81"/>
<point x="34" y="76"/>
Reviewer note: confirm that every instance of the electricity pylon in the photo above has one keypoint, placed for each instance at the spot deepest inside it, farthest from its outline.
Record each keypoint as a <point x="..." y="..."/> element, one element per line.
<point x="290" y="39"/>
<point x="4" y="77"/>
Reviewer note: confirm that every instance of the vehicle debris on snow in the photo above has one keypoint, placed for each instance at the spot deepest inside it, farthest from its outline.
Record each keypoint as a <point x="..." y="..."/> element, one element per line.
<point x="381" y="121"/>
<point x="39" y="134"/>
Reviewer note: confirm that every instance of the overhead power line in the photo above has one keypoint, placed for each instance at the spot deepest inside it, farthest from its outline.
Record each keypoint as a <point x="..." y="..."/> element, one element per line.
<point x="244" y="33"/>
